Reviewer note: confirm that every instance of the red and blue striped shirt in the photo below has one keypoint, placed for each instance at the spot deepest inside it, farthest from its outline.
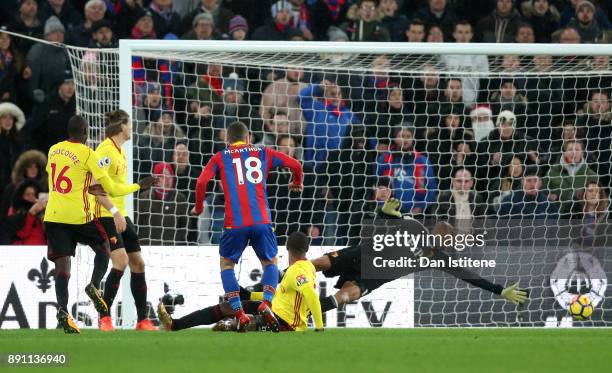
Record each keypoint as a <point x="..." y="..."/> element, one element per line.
<point x="243" y="170"/>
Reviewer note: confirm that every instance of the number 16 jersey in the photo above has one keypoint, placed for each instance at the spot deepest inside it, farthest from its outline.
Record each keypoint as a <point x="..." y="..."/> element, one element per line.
<point x="70" y="166"/>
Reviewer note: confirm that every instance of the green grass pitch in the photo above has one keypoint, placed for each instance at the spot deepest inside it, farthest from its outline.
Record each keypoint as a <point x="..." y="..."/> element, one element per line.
<point x="335" y="350"/>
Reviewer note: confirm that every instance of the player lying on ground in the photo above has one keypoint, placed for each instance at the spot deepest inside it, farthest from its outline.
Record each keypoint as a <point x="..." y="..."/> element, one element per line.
<point x="121" y="232"/>
<point x="346" y="263"/>
<point x="294" y="301"/>
<point x="243" y="170"/>
<point x="68" y="218"/>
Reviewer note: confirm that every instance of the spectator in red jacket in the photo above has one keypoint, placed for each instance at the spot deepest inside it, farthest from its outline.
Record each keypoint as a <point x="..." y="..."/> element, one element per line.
<point x="29" y="166"/>
<point x="24" y="222"/>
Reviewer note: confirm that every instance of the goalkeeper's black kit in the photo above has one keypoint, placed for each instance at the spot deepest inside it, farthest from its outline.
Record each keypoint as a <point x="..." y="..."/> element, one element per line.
<point x="346" y="263"/>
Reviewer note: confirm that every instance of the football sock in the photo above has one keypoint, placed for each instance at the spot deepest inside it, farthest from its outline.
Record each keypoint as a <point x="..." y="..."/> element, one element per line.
<point x="207" y="316"/>
<point x="139" y="292"/>
<point x="269" y="279"/>
<point x="328" y="303"/>
<point x="232" y="289"/>
<point x="111" y="287"/>
<point x="100" y="266"/>
<point x="61" y="290"/>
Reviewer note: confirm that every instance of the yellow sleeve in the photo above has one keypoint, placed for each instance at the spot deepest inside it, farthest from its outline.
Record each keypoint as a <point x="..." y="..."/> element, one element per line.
<point x="312" y="302"/>
<point x="95" y="166"/>
<point x="117" y="190"/>
<point x="256" y="295"/>
<point x="98" y="171"/>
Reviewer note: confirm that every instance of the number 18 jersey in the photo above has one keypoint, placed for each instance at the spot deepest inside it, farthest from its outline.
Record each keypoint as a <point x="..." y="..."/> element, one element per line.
<point x="71" y="166"/>
<point x="243" y="170"/>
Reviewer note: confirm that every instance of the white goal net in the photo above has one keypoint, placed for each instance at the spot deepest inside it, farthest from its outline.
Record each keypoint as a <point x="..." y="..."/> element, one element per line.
<point x="521" y="135"/>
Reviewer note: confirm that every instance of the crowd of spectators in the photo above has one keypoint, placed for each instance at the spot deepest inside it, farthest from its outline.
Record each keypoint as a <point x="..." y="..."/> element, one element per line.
<point x="454" y="147"/>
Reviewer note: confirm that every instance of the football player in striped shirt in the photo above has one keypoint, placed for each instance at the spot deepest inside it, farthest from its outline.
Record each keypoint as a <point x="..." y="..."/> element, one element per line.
<point x="294" y="301"/>
<point x="243" y="170"/>
<point x="69" y="219"/>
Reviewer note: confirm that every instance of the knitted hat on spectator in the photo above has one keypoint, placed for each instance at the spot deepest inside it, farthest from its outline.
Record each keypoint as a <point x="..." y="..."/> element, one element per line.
<point x="203" y="17"/>
<point x="143" y="13"/>
<point x="233" y="83"/>
<point x="585" y="3"/>
<point x="238" y="23"/>
<point x="53" y="24"/>
<point x="96" y="2"/>
<point x="280" y="5"/>
<point x="67" y="77"/>
<point x="101" y="24"/>
<point x="163" y="168"/>
<point x="336" y="34"/>
<point x="480" y="110"/>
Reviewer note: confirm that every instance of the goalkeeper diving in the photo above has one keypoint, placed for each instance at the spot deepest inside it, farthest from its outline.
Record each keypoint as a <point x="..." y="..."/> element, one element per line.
<point x="346" y="263"/>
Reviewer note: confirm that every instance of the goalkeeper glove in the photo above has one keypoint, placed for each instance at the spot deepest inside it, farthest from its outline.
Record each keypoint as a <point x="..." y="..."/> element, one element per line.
<point x="513" y="294"/>
<point x="391" y="208"/>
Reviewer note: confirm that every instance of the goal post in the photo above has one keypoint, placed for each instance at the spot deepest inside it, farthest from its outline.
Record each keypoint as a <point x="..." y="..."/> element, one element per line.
<point x="348" y="149"/>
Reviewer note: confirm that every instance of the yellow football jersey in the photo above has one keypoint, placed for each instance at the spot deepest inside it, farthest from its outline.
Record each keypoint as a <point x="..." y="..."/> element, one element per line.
<point x="113" y="158"/>
<point x="296" y="297"/>
<point x="70" y="167"/>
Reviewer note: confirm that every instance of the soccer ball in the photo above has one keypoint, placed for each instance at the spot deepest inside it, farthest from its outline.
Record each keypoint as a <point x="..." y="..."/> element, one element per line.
<point x="581" y="307"/>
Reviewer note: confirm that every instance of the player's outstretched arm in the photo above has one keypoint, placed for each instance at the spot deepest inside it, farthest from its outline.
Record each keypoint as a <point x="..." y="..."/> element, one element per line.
<point x="96" y="167"/>
<point x="314" y="305"/>
<point x="281" y="159"/>
<point x="101" y="196"/>
<point x="207" y="173"/>
<point x="117" y="190"/>
<point x="148" y="181"/>
<point x="512" y="293"/>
